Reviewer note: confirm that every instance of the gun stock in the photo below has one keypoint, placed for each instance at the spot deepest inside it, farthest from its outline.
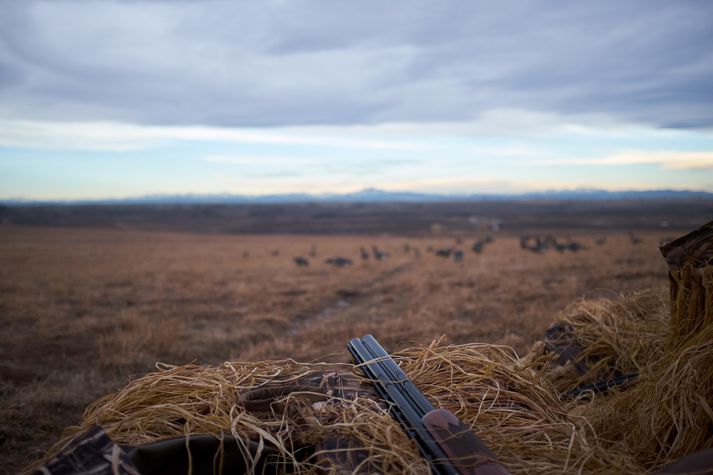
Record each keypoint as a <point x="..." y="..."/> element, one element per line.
<point x="464" y="449"/>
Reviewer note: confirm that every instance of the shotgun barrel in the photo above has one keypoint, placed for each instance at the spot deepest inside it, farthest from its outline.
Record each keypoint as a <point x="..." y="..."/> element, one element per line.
<point x="448" y="445"/>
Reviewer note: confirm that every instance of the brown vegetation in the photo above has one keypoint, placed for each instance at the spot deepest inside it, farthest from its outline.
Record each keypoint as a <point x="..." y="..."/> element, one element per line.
<point x="85" y="311"/>
<point x="285" y="413"/>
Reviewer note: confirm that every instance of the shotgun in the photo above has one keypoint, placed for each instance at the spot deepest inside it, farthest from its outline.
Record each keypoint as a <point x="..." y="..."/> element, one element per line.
<point x="444" y="440"/>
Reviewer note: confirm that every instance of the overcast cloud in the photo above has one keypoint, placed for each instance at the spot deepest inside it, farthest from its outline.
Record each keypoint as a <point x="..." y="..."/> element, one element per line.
<point x="123" y="98"/>
<point x="300" y="63"/>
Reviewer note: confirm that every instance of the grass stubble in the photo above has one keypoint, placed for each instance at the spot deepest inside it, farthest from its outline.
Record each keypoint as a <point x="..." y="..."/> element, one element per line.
<point x="85" y="311"/>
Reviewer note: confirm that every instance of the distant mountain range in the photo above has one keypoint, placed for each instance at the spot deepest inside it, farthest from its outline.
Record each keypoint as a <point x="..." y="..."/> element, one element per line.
<point x="373" y="195"/>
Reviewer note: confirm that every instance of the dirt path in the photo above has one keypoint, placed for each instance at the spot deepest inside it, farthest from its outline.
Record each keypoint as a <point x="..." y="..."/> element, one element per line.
<point x="349" y="303"/>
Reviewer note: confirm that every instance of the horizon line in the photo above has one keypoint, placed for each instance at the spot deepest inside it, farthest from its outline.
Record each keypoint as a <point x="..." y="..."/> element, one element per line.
<point x="305" y="197"/>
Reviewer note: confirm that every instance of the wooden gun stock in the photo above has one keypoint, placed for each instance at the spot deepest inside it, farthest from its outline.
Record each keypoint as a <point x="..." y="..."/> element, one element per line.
<point x="467" y="453"/>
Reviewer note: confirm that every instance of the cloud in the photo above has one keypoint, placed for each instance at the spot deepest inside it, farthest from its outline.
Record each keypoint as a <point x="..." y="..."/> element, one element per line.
<point x="251" y="160"/>
<point x="455" y="185"/>
<point x="670" y="159"/>
<point x="112" y="136"/>
<point x="268" y="64"/>
<point x="517" y="127"/>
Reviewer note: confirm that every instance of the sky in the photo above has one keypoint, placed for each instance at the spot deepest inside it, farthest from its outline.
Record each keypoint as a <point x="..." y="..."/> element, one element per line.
<point x="109" y="99"/>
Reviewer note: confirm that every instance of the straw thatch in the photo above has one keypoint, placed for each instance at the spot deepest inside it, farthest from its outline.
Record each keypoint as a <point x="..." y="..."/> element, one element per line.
<point x="667" y="413"/>
<point x="691" y="300"/>
<point x="518" y="414"/>
<point x="690" y="259"/>
<point x="614" y="337"/>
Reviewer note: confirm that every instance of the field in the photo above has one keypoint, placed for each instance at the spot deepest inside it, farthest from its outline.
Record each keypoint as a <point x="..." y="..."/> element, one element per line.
<point x="85" y="309"/>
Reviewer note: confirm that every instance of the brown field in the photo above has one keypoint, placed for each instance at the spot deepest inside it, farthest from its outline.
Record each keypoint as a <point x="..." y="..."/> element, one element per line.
<point x="85" y="310"/>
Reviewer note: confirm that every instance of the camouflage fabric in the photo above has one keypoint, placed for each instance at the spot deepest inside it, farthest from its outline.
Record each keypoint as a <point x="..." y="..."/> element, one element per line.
<point x="560" y="339"/>
<point x="311" y="399"/>
<point x="90" y="453"/>
<point x="695" y="248"/>
<point x="314" y="399"/>
<point x="698" y="463"/>
<point x="331" y="382"/>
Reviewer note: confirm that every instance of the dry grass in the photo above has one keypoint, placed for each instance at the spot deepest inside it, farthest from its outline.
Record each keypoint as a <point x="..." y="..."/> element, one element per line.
<point x="620" y="336"/>
<point x="511" y="403"/>
<point x="668" y="413"/>
<point x="85" y="311"/>
<point x="517" y="413"/>
<point x="136" y="338"/>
